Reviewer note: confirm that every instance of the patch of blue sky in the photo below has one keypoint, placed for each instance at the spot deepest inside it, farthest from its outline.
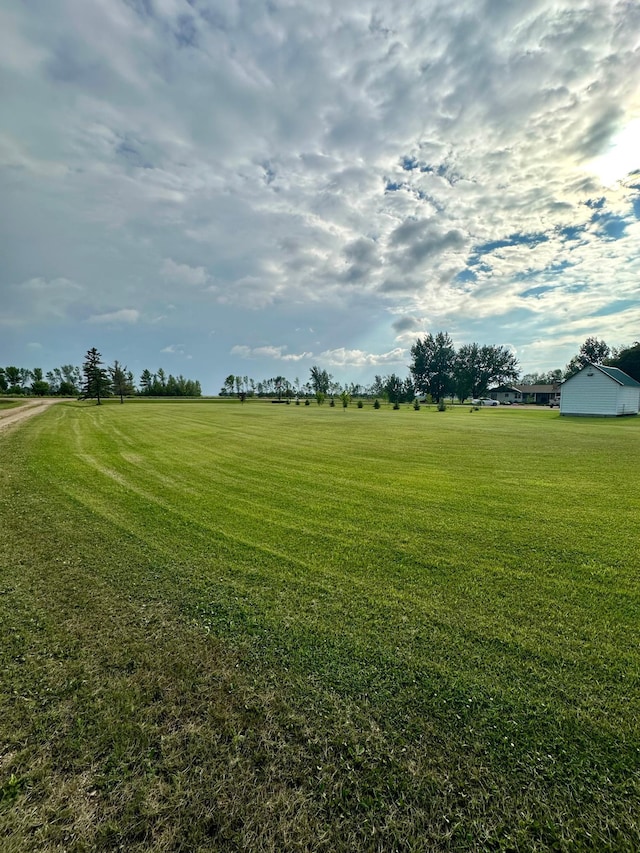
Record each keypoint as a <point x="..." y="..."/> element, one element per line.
<point x="536" y="291"/>
<point x="576" y="288"/>
<point x="559" y="266"/>
<point x="615" y="307"/>
<point x="409" y="164"/>
<point x="636" y="207"/>
<point x="466" y="276"/>
<point x="610" y="225"/>
<point x="518" y="239"/>
<point x="571" y="232"/>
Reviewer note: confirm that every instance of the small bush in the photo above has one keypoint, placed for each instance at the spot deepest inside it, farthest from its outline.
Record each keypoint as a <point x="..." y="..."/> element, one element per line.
<point x="307" y="403"/>
<point x="396" y="406"/>
<point x="376" y="404"/>
<point x="442" y="406"/>
<point x="332" y="403"/>
<point x="359" y="404"/>
<point x="297" y="402"/>
<point x="416" y="405"/>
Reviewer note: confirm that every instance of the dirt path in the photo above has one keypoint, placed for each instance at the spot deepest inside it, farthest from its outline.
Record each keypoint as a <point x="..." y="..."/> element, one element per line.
<point x="10" y="417"/>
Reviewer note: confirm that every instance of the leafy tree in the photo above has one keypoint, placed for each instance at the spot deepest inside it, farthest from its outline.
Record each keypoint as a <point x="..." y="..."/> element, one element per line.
<point x="3" y="380"/>
<point x="432" y="366"/>
<point x="96" y="379"/>
<point x="345" y="397"/>
<point x="551" y="377"/>
<point x="146" y="382"/>
<point x="121" y="380"/>
<point x="393" y="387"/>
<point x="39" y="386"/>
<point x="628" y="360"/>
<point x="65" y="381"/>
<point x="477" y="368"/>
<point x="14" y="379"/>
<point x="320" y="380"/>
<point x="279" y="384"/>
<point x="592" y="351"/>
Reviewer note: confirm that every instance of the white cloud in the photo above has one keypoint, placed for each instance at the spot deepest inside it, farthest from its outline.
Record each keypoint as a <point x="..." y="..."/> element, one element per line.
<point x="342" y="357"/>
<point x="183" y="273"/>
<point x="268" y="352"/>
<point x="127" y="316"/>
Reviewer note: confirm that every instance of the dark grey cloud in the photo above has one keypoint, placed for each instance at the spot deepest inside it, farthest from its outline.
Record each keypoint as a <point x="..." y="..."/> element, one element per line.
<point x="406" y="324"/>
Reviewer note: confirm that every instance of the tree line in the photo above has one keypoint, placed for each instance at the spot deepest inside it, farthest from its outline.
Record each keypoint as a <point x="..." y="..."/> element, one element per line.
<point x="438" y="371"/>
<point x="94" y="380"/>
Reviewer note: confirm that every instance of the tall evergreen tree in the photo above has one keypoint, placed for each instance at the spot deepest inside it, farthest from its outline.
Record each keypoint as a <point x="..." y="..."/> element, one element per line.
<point x="96" y="379"/>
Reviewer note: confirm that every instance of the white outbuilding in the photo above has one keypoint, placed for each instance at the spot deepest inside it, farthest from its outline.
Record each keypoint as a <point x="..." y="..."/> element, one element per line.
<point x="600" y="391"/>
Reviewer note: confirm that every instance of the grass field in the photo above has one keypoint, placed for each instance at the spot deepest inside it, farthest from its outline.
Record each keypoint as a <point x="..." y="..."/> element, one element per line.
<point x="279" y="628"/>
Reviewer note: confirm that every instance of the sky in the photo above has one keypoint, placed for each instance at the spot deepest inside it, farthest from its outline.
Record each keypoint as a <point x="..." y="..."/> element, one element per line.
<point x="258" y="187"/>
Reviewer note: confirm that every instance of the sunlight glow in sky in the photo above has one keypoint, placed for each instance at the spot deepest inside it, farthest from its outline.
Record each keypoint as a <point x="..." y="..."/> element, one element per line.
<point x="622" y="158"/>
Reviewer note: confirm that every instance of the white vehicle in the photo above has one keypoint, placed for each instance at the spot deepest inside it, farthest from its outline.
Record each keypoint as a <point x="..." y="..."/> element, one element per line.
<point x="488" y="402"/>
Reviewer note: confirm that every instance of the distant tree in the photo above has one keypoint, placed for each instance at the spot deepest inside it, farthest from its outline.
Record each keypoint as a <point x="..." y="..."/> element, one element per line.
<point x="13" y="375"/>
<point x="592" y="351"/>
<point x="229" y="382"/>
<point x="279" y="384"/>
<point x="146" y="383"/>
<point x="628" y="360"/>
<point x="345" y="398"/>
<point x="25" y="377"/>
<point x="551" y="377"/>
<point x="477" y="368"/>
<point x="39" y="386"/>
<point x="432" y="366"/>
<point x="393" y="387"/>
<point x="96" y="379"/>
<point x="121" y="380"/>
<point x="376" y="388"/>
<point x="320" y="380"/>
<point x="3" y="380"/>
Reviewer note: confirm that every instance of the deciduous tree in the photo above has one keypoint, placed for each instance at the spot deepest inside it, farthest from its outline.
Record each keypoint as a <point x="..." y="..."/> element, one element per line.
<point x="628" y="360"/>
<point x="432" y="366"/>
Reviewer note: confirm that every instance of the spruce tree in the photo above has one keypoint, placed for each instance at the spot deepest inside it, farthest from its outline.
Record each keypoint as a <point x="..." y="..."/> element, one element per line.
<point x="96" y="380"/>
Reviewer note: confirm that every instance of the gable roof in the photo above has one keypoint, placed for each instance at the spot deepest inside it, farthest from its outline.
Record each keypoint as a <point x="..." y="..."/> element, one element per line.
<point x="536" y="389"/>
<point x="619" y="375"/>
<point x="614" y="373"/>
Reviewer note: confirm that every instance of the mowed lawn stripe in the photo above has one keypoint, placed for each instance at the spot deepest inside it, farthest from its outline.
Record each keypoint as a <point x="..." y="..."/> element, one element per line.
<point x="449" y="600"/>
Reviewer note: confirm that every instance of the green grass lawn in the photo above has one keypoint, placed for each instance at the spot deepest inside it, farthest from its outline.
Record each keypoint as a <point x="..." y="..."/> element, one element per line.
<point x="301" y="628"/>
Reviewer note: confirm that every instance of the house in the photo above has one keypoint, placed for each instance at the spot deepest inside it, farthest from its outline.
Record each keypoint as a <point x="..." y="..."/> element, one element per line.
<point x="600" y="391"/>
<point x="539" y="394"/>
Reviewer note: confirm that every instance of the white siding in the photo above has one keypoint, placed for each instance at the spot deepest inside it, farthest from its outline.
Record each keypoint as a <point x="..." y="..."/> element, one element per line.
<point x="585" y="394"/>
<point x="628" y="400"/>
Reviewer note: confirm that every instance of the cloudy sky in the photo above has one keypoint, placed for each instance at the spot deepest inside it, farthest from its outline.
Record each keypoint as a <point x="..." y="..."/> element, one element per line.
<point x="256" y="187"/>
